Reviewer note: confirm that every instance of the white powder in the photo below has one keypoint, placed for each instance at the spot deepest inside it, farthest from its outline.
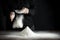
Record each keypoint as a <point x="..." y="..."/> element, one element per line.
<point x="18" y="23"/>
<point x="27" y="33"/>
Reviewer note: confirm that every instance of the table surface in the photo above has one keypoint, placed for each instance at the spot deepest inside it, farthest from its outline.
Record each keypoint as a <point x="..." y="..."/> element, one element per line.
<point x="16" y="35"/>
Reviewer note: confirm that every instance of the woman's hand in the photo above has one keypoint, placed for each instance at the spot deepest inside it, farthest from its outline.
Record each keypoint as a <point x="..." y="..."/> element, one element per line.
<point x="12" y="16"/>
<point x="23" y="10"/>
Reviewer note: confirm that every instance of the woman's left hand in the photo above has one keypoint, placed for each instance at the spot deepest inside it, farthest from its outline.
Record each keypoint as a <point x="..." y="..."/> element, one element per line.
<point x="23" y="10"/>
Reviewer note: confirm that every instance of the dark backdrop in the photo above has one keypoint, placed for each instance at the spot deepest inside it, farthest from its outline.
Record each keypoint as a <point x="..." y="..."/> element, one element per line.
<point x="46" y="15"/>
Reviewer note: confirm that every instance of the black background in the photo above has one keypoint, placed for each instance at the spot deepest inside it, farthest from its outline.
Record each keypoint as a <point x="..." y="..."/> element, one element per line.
<point x="46" y="15"/>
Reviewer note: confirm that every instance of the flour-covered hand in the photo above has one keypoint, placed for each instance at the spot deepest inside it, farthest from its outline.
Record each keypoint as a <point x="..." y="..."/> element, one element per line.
<point x="12" y="15"/>
<point x="23" y="10"/>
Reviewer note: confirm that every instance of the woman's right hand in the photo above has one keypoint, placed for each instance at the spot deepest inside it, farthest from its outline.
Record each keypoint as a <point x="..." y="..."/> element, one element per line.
<point x="12" y="16"/>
